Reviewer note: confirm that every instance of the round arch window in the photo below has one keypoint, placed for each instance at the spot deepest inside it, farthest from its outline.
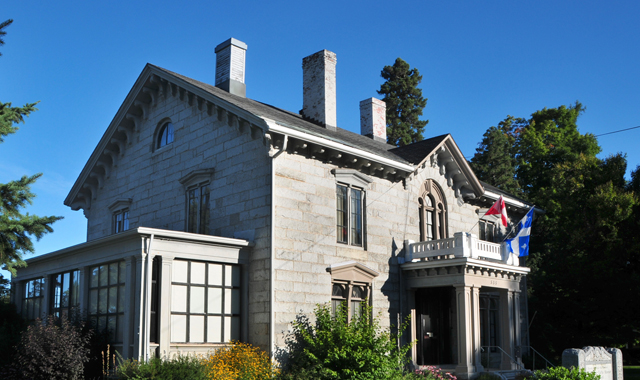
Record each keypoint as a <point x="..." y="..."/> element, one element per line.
<point x="165" y="136"/>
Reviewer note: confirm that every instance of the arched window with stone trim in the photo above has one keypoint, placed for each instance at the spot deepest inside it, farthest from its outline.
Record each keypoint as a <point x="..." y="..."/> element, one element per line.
<point x="433" y="212"/>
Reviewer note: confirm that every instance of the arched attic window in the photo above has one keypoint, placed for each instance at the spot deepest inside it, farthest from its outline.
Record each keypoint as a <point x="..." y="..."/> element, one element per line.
<point x="433" y="212"/>
<point x="165" y="135"/>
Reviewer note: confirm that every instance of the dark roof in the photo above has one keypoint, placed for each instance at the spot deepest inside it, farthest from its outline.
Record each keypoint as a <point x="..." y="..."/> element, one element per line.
<point x="416" y="152"/>
<point x="295" y="121"/>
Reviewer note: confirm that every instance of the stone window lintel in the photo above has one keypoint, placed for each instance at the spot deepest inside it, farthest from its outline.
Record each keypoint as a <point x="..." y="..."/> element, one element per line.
<point x="352" y="177"/>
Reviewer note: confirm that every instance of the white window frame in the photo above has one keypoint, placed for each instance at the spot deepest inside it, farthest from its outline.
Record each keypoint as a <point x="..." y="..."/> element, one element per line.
<point x="229" y="312"/>
<point x="111" y="316"/>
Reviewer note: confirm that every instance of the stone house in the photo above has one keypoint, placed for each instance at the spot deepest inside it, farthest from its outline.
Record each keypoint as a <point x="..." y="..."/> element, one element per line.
<point x="213" y="217"/>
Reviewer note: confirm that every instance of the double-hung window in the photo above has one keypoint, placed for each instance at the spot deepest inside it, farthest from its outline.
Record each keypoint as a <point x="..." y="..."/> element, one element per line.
<point x="486" y="230"/>
<point x="349" y="214"/>
<point x="351" y="188"/>
<point x="197" y="186"/>
<point x="198" y="209"/>
<point x="120" y="211"/>
<point x="121" y="221"/>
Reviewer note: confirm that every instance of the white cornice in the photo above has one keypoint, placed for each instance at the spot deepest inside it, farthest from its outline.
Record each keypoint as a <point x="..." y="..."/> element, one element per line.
<point x="146" y="232"/>
<point x="280" y="128"/>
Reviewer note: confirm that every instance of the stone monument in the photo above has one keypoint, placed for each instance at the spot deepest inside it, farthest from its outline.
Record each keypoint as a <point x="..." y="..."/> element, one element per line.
<point x="606" y="362"/>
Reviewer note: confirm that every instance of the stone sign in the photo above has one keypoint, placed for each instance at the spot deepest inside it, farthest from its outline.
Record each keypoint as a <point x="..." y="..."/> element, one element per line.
<point x="606" y="362"/>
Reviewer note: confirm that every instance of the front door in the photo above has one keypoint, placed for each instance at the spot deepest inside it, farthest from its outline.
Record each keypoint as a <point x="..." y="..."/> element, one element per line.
<point x="434" y="325"/>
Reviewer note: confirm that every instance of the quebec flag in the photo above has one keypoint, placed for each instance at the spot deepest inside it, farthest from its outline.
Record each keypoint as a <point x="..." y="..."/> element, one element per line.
<point x="520" y="243"/>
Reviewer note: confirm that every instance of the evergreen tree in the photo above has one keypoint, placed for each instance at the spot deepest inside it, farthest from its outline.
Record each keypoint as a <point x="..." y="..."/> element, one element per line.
<point x="404" y="103"/>
<point x="17" y="229"/>
<point x="495" y="161"/>
<point x="3" y="25"/>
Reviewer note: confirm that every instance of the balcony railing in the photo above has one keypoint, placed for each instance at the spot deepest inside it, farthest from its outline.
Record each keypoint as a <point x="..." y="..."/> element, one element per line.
<point x="462" y="244"/>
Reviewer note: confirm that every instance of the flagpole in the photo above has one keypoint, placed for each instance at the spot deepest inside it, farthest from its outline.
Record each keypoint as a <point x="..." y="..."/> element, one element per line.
<point x="507" y="235"/>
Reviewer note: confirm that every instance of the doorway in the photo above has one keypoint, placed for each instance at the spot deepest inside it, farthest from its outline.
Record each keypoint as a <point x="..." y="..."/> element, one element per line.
<point x="435" y="319"/>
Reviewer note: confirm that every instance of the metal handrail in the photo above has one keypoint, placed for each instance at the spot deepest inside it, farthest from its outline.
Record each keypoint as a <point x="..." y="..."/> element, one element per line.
<point x="504" y="352"/>
<point x="547" y="364"/>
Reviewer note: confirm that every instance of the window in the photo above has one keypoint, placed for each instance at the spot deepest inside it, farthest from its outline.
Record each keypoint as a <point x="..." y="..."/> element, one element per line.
<point x="121" y="221"/>
<point x="165" y="135"/>
<point x="349" y="212"/>
<point x="196" y="185"/>
<point x="107" y="298"/>
<point x="432" y="212"/>
<point x="352" y="294"/>
<point x="351" y="285"/>
<point x="486" y="231"/>
<point x="198" y="209"/>
<point x="205" y="302"/>
<point x="120" y="211"/>
<point x="32" y="300"/>
<point x="66" y="296"/>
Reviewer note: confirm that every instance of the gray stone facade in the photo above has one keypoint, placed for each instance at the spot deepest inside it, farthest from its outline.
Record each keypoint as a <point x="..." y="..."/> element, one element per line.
<point x="274" y="215"/>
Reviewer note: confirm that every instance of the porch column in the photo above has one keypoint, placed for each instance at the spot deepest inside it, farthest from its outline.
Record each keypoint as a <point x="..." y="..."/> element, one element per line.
<point x="127" y="331"/>
<point x="506" y="328"/>
<point x="413" y="325"/>
<point x="475" y="315"/>
<point x="465" y="368"/>
<point x="164" y="320"/>
<point x="517" y="331"/>
<point x="138" y="298"/>
<point x="83" y="286"/>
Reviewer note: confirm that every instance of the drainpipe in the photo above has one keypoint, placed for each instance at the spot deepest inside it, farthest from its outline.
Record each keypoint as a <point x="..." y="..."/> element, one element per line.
<point x="272" y="293"/>
<point x="147" y="302"/>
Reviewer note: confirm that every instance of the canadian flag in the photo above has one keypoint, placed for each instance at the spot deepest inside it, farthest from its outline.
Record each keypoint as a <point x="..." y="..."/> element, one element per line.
<point x="499" y="208"/>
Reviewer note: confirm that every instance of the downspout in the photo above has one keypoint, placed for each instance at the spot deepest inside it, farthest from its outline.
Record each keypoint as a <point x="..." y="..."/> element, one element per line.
<point x="147" y="301"/>
<point x="272" y="293"/>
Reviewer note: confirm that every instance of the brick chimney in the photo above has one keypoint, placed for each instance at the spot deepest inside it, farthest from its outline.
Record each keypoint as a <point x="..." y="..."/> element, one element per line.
<point x="319" y="88"/>
<point x="230" y="58"/>
<point x="373" y="119"/>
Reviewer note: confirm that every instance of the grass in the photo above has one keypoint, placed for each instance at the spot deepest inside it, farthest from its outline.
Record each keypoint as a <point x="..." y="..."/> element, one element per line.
<point x="631" y="372"/>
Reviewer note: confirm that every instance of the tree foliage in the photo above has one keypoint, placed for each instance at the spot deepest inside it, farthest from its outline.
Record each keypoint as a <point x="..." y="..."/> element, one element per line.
<point x="3" y="33"/>
<point x="584" y="250"/>
<point x="404" y="103"/>
<point x="495" y="158"/>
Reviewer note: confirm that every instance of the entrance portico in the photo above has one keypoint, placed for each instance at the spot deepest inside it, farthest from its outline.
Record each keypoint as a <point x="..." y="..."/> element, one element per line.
<point x="464" y="296"/>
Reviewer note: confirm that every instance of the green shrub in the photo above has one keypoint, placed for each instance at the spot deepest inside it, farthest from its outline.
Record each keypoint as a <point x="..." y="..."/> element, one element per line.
<point x="334" y="349"/>
<point x="180" y="367"/>
<point x="11" y="327"/>
<point x="562" y="373"/>
<point x="53" y="350"/>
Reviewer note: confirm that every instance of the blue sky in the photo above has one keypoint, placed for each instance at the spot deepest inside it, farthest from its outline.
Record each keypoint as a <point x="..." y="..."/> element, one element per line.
<point x="480" y="61"/>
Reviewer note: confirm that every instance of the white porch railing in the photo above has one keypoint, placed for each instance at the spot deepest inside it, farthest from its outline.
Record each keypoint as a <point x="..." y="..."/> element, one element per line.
<point x="462" y="244"/>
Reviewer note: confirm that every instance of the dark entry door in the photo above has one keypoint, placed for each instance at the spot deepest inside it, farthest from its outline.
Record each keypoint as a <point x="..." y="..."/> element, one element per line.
<point x="433" y="309"/>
